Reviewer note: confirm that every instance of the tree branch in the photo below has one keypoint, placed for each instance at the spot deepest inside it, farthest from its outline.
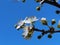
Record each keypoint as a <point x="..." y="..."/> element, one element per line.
<point x="53" y="3"/>
<point x="48" y="31"/>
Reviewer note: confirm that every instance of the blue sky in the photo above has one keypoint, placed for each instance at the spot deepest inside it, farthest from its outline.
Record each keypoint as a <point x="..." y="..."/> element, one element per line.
<point x="11" y="12"/>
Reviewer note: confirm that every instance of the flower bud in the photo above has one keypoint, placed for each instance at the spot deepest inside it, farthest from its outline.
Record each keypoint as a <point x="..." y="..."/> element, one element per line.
<point x="49" y="36"/>
<point x="53" y="21"/>
<point x="43" y="20"/>
<point x="38" y="8"/>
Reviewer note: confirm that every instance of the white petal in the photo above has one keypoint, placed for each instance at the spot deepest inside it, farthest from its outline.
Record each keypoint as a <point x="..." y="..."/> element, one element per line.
<point x="17" y="27"/>
<point x="21" y="23"/>
<point x="30" y="19"/>
<point x="27" y="21"/>
<point x="25" y="33"/>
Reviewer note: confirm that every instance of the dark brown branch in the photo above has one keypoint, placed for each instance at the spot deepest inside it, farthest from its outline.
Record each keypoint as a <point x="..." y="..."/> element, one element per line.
<point x="58" y="31"/>
<point x="48" y="31"/>
<point x="35" y="29"/>
<point x="53" y="3"/>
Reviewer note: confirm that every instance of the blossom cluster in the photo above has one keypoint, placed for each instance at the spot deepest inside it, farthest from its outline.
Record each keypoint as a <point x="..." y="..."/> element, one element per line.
<point x="29" y="29"/>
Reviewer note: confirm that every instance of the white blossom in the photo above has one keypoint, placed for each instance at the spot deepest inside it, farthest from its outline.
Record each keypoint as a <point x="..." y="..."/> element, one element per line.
<point x="27" y="20"/>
